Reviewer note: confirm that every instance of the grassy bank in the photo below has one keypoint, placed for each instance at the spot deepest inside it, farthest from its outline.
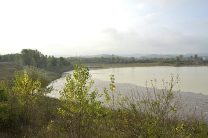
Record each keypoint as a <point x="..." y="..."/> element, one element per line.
<point x="7" y="70"/>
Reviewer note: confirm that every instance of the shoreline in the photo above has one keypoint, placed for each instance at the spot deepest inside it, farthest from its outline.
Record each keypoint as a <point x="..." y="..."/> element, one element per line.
<point x="191" y="103"/>
<point x="105" y="66"/>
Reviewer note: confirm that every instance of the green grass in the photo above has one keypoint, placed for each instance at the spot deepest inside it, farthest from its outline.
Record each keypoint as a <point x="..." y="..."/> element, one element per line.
<point x="7" y="70"/>
<point x="45" y="110"/>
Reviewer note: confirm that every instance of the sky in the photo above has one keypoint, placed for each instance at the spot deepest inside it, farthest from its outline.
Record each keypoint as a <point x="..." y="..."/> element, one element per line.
<point x="92" y="27"/>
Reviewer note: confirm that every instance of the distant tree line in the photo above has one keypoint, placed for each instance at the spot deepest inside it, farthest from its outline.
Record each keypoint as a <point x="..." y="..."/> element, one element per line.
<point x="104" y="60"/>
<point x="34" y="58"/>
<point x="29" y="57"/>
<point x="178" y="60"/>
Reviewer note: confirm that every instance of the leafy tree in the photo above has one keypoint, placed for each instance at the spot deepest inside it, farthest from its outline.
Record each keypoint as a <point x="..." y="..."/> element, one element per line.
<point x="27" y="91"/>
<point x="81" y="110"/>
<point x="34" y="58"/>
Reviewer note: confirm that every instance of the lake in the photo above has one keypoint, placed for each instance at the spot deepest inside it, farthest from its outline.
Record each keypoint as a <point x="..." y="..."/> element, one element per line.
<point x="191" y="79"/>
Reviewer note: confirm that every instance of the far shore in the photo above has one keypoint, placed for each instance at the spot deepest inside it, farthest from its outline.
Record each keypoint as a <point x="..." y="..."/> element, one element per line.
<point x="103" y="66"/>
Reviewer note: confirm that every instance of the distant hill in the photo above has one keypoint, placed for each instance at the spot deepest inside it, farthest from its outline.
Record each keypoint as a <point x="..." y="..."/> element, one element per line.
<point x="143" y="56"/>
<point x="200" y="54"/>
<point x="163" y="55"/>
<point x="158" y="56"/>
<point x="137" y="55"/>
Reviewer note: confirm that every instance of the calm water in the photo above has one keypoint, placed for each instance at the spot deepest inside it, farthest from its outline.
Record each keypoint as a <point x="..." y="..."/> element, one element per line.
<point x="192" y="79"/>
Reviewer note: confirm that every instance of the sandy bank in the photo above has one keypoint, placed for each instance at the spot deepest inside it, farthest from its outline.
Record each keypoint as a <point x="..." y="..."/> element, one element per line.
<point x="189" y="101"/>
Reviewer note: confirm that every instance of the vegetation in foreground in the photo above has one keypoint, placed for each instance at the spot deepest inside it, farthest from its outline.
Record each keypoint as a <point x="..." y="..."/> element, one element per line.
<point x="25" y="111"/>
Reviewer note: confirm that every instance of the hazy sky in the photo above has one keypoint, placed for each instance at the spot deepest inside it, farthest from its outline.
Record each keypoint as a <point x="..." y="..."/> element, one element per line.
<point x="90" y="27"/>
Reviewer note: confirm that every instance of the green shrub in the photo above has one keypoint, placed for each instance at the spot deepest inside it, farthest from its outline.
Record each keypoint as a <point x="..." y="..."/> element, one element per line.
<point x="81" y="112"/>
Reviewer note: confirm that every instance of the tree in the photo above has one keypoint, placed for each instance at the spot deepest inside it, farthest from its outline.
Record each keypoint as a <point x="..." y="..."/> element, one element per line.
<point x="27" y="91"/>
<point x="80" y="108"/>
<point x="196" y="56"/>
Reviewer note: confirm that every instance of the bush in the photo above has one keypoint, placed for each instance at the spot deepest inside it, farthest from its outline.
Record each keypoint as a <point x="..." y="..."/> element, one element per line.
<point x="81" y="113"/>
<point x="19" y="104"/>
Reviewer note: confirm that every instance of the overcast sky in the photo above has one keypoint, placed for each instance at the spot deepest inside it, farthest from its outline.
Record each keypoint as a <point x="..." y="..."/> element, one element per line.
<point x="91" y="27"/>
